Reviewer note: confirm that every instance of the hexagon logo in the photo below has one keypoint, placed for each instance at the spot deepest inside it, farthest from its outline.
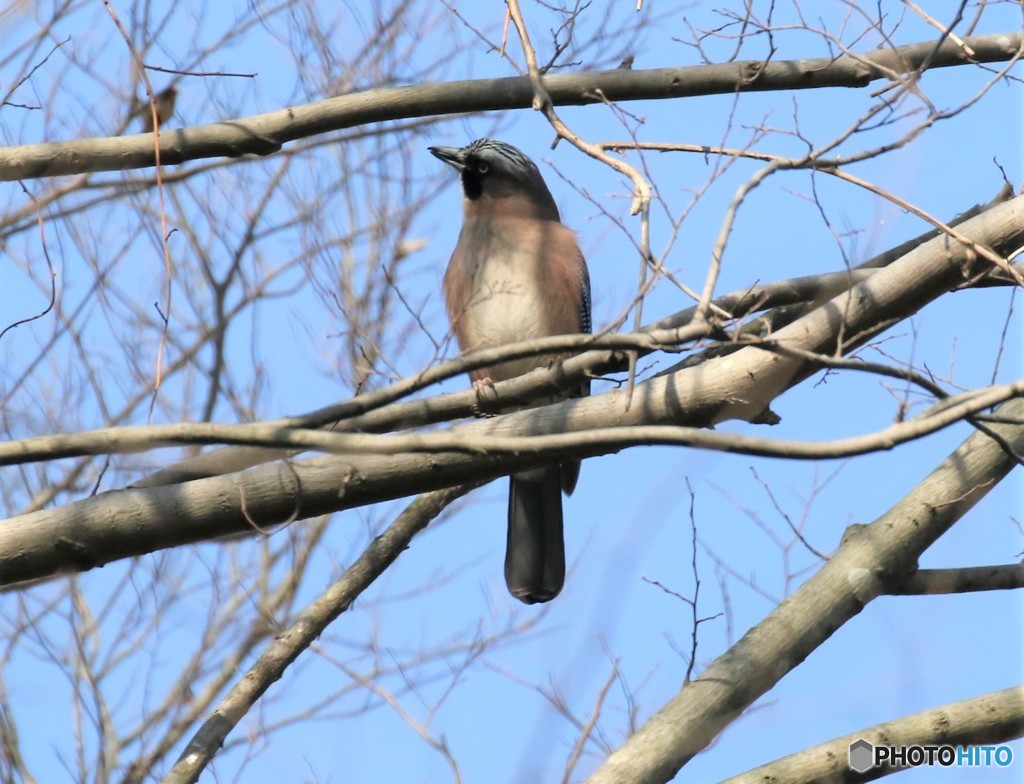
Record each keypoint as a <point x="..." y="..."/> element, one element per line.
<point x="862" y="755"/>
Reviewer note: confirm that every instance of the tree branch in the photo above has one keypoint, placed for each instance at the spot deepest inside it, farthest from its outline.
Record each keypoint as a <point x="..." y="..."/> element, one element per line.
<point x="378" y="412"/>
<point x="308" y="626"/>
<point x="965" y="579"/>
<point x="264" y="134"/>
<point x="995" y="717"/>
<point x="868" y="558"/>
<point x="119" y="524"/>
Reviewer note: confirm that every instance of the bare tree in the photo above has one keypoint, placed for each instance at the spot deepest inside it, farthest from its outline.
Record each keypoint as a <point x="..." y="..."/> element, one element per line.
<point x="277" y="247"/>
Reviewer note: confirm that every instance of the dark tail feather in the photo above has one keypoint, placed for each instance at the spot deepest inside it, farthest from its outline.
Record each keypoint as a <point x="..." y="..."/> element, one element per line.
<point x="535" y="551"/>
<point x="570" y="475"/>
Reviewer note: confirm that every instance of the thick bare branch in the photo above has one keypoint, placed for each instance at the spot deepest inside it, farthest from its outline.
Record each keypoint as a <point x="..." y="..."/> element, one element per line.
<point x="265" y="134"/>
<point x="995" y="717"/>
<point x="868" y="558"/>
<point x="98" y="530"/>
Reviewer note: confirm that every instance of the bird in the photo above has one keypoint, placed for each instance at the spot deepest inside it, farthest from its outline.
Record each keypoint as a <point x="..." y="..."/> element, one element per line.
<point x="165" y="100"/>
<point x="517" y="273"/>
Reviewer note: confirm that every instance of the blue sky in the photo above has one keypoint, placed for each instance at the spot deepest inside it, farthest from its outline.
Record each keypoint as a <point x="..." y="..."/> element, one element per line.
<point x="628" y="522"/>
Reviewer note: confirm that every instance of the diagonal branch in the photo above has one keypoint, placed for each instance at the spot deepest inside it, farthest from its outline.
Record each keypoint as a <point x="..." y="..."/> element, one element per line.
<point x="309" y="625"/>
<point x="120" y="524"/>
<point x="870" y="556"/>
<point x="378" y="411"/>
<point x="995" y="717"/>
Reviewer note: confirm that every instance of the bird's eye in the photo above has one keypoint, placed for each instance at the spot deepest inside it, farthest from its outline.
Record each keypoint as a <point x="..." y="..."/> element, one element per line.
<point x="483" y="167"/>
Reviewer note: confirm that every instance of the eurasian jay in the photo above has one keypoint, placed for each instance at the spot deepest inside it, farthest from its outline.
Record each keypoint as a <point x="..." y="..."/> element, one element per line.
<point x="517" y="273"/>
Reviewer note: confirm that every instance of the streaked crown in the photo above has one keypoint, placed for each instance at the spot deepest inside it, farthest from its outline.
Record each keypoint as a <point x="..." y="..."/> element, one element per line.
<point x="491" y="168"/>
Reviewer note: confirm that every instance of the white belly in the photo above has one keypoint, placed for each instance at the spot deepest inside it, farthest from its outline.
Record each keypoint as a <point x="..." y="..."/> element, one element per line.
<point x="507" y="306"/>
<point x="507" y="291"/>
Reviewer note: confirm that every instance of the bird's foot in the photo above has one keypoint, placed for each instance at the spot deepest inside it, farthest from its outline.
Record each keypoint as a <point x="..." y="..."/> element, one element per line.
<point x="486" y="397"/>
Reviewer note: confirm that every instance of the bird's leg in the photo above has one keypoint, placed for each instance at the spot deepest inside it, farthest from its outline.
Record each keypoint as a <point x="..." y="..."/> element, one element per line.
<point x="486" y="397"/>
<point x="556" y="359"/>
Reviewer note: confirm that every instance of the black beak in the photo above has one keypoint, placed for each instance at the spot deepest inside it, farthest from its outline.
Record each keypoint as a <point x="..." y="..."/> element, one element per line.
<point x="453" y="156"/>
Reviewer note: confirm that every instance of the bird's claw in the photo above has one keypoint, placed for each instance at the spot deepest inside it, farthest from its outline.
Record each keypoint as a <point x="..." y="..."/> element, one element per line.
<point x="486" y="397"/>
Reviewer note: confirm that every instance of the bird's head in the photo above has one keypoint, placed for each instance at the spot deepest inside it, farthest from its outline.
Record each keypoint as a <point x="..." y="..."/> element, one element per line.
<point x="492" y="171"/>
